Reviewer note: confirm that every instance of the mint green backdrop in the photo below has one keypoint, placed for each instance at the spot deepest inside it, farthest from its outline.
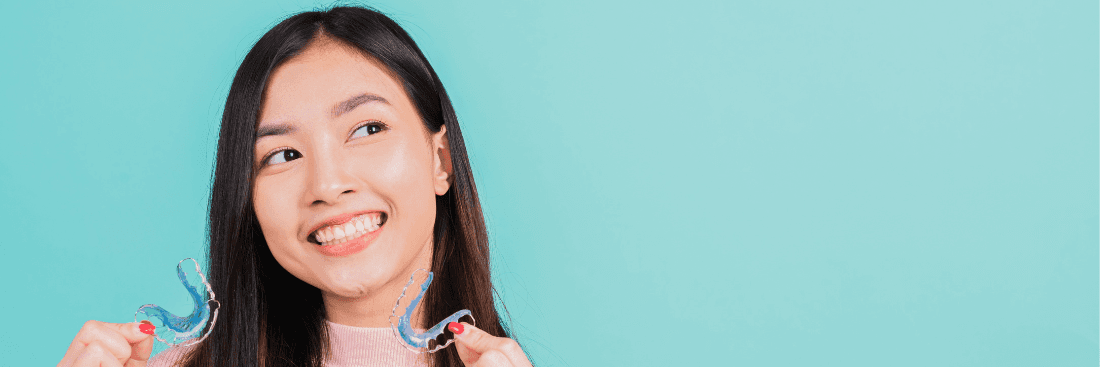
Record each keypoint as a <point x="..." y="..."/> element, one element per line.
<point x="770" y="183"/>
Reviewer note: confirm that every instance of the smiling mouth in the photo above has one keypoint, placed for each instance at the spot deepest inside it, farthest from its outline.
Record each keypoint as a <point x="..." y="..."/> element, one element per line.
<point x="350" y="230"/>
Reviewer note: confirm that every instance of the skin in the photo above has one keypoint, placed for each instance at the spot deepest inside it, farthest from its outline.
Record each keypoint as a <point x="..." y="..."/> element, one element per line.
<point x="105" y="344"/>
<point x="338" y="164"/>
<point x="344" y="168"/>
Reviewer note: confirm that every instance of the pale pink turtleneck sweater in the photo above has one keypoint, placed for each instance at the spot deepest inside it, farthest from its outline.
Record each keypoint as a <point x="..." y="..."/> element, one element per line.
<point x="351" y="347"/>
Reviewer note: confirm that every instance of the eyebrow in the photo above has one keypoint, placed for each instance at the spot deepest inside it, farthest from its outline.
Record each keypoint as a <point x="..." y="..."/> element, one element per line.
<point x="278" y="129"/>
<point x="340" y="109"/>
<point x="353" y="102"/>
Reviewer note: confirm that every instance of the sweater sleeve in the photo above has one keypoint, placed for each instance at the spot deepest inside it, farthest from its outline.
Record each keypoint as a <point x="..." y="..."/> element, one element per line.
<point x="170" y="357"/>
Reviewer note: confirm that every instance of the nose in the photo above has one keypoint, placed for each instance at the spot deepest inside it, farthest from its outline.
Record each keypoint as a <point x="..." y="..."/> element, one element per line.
<point x="330" y="179"/>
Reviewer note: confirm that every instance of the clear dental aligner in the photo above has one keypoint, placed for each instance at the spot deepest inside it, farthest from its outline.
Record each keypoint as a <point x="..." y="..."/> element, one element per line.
<point x="414" y="341"/>
<point x="182" y="331"/>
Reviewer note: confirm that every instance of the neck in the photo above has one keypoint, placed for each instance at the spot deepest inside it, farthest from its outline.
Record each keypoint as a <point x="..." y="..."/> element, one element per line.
<point x="374" y="309"/>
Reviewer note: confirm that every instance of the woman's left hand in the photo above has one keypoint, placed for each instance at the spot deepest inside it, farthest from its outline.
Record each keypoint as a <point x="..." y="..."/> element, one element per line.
<point x="477" y="348"/>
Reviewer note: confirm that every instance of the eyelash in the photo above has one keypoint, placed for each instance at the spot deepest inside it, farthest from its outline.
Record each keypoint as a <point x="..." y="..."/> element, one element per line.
<point x="267" y="158"/>
<point x="382" y="127"/>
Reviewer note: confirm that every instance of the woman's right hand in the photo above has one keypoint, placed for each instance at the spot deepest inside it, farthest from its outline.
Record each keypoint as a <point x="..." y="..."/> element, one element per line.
<point x="102" y="344"/>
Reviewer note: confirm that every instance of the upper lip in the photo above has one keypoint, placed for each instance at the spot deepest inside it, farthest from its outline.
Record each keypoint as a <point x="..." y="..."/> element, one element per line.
<point x="339" y="219"/>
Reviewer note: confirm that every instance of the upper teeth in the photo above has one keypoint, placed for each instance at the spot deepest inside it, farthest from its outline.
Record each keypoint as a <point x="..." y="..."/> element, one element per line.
<point x="350" y="230"/>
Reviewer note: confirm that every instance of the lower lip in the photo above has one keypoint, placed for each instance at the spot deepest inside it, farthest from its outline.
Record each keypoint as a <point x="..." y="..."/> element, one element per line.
<point x="351" y="247"/>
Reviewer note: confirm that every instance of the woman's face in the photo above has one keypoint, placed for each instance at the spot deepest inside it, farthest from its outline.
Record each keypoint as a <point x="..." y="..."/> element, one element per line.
<point x="347" y="173"/>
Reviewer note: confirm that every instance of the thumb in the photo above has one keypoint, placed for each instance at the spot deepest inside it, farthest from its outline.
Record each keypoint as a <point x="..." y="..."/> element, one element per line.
<point x="478" y="348"/>
<point x="476" y="339"/>
<point x="134" y="332"/>
<point x="142" y="349"/>
<point x="140" y="337"/>
<point x="470" y="342"/>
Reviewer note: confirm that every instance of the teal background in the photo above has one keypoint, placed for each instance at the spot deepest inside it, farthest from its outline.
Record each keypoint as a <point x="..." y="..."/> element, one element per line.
<point x="769" y="183"/>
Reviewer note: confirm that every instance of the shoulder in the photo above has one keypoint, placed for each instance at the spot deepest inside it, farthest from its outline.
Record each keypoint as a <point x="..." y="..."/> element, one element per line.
<point x="170" y="357"/>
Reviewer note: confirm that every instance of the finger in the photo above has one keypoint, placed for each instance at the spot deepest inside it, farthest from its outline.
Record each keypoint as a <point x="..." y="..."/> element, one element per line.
<point x="135" y="363"/>
<point x="114" y="338"/>
<point x="474" y="343"/>
<point x="514" y="353"/>
<point x="132" y="331"/>
<point x="463" y="343"/>
<point x="493" y="358"/>
<point x="139" y="354"/>
<point x="96" y="355"/>
<point x="476" y="339"/>
<point x="141" y="350"/>
<point x="468" y="356"/>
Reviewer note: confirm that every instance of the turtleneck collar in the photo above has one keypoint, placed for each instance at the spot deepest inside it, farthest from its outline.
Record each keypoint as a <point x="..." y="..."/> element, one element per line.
<point x="368" y="347"/>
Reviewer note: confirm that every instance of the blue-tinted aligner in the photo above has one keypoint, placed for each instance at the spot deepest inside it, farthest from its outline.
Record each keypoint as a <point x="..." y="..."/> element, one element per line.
<point x="413" y="340"/>
<point x="187" y="330"/>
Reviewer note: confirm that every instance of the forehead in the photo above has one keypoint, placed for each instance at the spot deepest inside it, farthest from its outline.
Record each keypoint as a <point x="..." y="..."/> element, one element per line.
<point x="323" y="74"/>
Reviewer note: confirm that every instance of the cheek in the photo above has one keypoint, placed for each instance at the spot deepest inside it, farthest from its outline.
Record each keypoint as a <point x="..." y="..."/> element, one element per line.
<point x="406" y="176"/>
<point x="401" y="175"/>
<point x="274" y="210"/>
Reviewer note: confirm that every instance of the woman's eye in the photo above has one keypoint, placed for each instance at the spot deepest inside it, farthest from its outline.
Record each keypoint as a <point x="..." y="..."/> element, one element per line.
<point x="369" y="129"/>
<point x="283" y="156"/>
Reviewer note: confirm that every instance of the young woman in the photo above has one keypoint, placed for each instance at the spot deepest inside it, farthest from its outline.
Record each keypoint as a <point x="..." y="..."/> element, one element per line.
<point x="341" y="170"/>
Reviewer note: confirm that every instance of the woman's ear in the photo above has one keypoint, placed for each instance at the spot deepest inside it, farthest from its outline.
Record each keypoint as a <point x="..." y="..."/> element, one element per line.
<point x="443" y="170"/>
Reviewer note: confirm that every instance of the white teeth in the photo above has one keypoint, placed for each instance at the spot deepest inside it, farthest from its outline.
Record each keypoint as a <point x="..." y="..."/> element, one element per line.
<point x="354" y="228"/>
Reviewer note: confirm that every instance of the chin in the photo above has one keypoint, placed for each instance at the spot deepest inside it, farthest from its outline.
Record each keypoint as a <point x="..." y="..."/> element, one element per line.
<point x="349" y="291"/>
<point x="358" y="281"/>
<point x="383" y="267"/>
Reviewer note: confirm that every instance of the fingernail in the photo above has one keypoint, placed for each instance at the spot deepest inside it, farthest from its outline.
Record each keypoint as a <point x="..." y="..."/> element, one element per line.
<point x="455" y="327"/>
<point x="147" y="327"/>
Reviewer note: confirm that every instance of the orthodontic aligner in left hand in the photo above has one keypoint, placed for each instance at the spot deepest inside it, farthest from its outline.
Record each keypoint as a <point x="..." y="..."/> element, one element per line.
<point x="183" y="331"/>
<point x="414" y="341"/>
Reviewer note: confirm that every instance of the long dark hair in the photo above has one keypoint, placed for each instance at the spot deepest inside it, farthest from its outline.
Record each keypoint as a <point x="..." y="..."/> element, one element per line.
<point x="266" y="310"/>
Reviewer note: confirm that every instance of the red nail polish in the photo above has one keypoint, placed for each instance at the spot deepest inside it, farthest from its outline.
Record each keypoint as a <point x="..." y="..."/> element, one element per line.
<point x="455" y="327"/>
<point x="147" y="328"/>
